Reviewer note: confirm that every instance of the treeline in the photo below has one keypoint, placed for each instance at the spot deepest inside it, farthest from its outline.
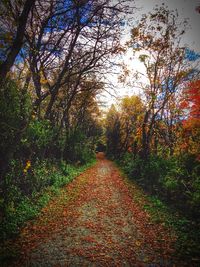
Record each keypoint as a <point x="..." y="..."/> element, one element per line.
<point x="156" y="135"/>
<point x="53" y="57"/>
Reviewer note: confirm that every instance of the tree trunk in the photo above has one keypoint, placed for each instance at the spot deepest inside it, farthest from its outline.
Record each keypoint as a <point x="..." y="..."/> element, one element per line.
<point x="18" y="42"/>
<point x="145" y="138"/>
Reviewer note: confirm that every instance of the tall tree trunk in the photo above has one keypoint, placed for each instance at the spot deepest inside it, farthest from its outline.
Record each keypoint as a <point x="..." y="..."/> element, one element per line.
<point x="145" y="138"/>
<point x="18" y="42"/>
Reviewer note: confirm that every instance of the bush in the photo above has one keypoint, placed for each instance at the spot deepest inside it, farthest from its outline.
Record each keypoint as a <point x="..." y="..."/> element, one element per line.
<point x="191" y="179"/>
<point x="132" y="166"/>
<point x="147" y="173"/>
<point x="174" y="179"/>
<point x="14" y="113"/>
<point x="38" y="137"/>
<point x="79" y="148"/>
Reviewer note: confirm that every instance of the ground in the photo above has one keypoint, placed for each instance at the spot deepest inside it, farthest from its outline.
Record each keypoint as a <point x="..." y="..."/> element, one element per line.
<point x="95" y="222"/>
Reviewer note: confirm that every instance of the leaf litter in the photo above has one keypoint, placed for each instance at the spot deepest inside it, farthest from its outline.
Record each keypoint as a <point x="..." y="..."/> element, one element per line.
<point x="95" y="222"/>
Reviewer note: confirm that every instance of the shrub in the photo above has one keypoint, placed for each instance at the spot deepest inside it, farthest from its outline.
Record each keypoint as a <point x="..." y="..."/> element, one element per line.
<point x="38" y="137"/>
<point x="79" y="148"/>
<point x="15" y="110"/>
<point x="174" y="179"/>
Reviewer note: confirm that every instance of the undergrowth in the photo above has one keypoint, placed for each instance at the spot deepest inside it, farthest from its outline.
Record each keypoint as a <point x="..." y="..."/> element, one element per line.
<point x="187" y="245"/>
<point x="48" y="180"/>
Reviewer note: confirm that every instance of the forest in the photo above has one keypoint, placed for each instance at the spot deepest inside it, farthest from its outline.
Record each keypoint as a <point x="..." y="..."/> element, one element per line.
<point x="55" y="59"/>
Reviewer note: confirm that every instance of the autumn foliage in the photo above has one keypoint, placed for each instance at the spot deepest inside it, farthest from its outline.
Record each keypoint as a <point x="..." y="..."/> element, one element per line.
<point x="158" y="138"/>
<point x="55" y="60"/>
<point x="191" y="122"/>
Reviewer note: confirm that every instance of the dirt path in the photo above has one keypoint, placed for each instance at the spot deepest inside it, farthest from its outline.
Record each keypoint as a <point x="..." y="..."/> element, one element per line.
<point x="94" y="222"/>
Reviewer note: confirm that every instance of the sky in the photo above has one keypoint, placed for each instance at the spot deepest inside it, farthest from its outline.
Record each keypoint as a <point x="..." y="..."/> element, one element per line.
<point x="186" y="9"/>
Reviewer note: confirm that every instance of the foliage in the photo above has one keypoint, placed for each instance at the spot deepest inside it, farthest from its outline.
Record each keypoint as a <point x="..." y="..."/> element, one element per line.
<point x="190" y="134"/>
<point x="49" y="114"/>
<point x="123" y="126"/>
<point x="38" y="137"/>
<point x="165" y="159"/>
<point x="112" y="132"/>
<point x="33" y="155"/>
<point x="14" y="114"/>
<point x="48" y="108"/>
<point x="79" y="148"/>
<point x="175" y="179"/>
<point x="158" y="36"/>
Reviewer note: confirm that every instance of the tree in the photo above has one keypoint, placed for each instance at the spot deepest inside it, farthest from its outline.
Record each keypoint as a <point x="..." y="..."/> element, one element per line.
<point x="13" y="47"/>
<point x="68" y="41"/>
<point x="157" y="42"/>
<point x="123" y="126"/>
<point x="192" y="100"/>
<point x="113" y="137"/>
<point x="131" y="116"/>
<point x="190" y="105"/>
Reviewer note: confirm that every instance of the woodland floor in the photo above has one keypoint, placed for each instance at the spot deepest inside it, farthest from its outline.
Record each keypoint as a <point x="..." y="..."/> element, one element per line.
<point x="95" y="222"/>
